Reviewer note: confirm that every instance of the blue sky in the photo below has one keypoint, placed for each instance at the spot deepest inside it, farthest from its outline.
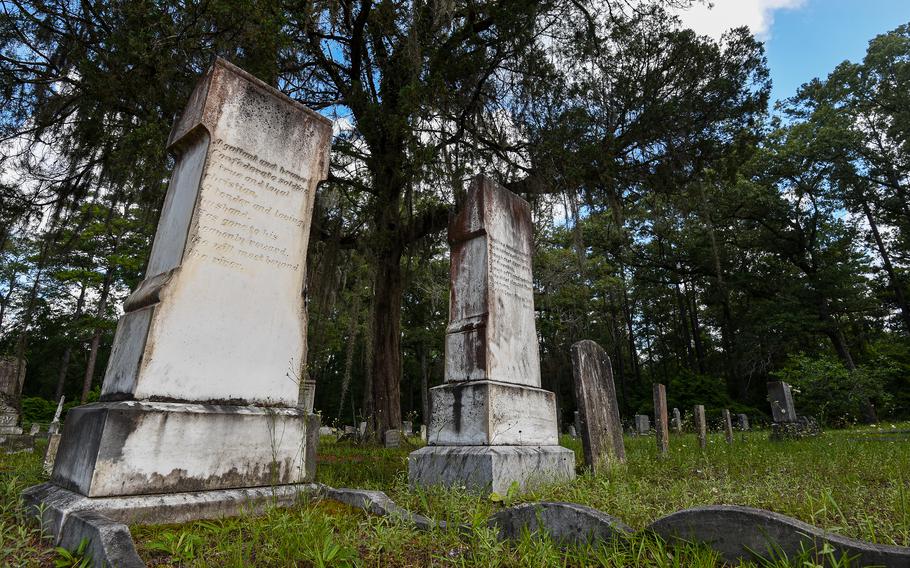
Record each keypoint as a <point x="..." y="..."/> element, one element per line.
<point x="803" y="38"/>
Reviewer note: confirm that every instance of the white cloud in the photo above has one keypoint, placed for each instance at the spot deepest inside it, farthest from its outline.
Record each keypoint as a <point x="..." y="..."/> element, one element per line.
<point x="721" y="15"/>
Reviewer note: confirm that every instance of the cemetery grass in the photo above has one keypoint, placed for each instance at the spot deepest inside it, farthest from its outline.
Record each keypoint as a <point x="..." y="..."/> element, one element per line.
<point x="852" y="482"/>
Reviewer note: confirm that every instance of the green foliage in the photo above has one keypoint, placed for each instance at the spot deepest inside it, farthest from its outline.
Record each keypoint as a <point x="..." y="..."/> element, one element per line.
<point x="37" y="409"/>
<point x="73" y="558"/>
<point x="827" y="390"/>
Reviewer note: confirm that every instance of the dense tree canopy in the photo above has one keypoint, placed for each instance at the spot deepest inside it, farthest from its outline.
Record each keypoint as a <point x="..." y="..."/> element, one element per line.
<point x="706" y="241"/>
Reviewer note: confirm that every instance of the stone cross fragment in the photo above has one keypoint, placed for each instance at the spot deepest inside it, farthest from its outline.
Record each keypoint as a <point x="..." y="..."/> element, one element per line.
<point x="661" y="422"/>
<point x="642" y="424"/>
<point x="677" y="420"/>
<point x="12" y="376"/>
<point x="781" y="399"/>
<point x="701" y="428"/>
<point x="491" y="424"/>
<point x="598" y="410"/>
<point x="202" y="389"/>
<point x="728" y="425"/>
<point x="743" y="422"/>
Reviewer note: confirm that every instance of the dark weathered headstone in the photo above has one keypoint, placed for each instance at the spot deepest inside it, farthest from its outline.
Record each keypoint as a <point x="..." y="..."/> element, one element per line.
<point x="598" y="411"/>
<point x="642" y="424"/>
<point x="743" y="422"/>
<point x="491" y="424"/>
<point x="407" y="427"/>
<point x="392" y="438"/>
<point x="661" y="426"/>
<point x="781" y="399"/>
<point x="701" y="428"/>
<point x="12" y="376"/>
<point x="728" y="426"/>
<point x="677" y="420"/>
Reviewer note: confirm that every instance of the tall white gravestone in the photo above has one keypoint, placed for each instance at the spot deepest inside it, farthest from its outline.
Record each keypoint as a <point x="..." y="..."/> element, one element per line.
<point x="203" y="383"/>
<point x="491" y="424"/>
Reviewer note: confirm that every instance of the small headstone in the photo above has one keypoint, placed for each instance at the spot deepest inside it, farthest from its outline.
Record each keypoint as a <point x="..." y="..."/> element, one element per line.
<point x="307" y="395"/>
<point x="392" y="438"/>
<point x="12" y="375"/>
<point x="728" y="425"/>
<point x="572" y="431"/>
<point x="642" y="424"/>
<point x="407" y="427"/>
<point x="598" y="411"/>
<point x="326" y="431"/>
<point x="352" y="430"/>
<point x="781" y="399"/>
<point x="362" y="428"/>
<point x="661" y="426"/>
<point x="743" y="422"/>
<point x="701" y="428"/>
<point x="677" y="420"/>
<point x="576" y="416"/>
<point x="34" y="430"/>
<point x="54" y="428"/>
<point x="423" y="432"/>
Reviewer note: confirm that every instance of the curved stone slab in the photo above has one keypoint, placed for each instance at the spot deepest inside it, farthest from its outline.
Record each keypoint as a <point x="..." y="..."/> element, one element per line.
<point x="746" y="533"/>
<point x="562" y="521"/>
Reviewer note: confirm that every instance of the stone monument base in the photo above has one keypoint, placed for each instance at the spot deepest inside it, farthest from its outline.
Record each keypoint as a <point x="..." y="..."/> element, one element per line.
<point x="12" y="443"/>
<point x="136" y="448"/>
<point x="804" y="427"/>
<point x="490" y="468"/>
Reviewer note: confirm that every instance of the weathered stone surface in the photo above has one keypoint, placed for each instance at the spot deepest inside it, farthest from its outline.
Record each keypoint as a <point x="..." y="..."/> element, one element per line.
<point x="109" y="543"/>
<point x="133" y="447"/>
<point x="490" y="468"/>
<point x="202" y="389"/>
<point x="34" y="430"/>
<point x="491" y="333"/>
<point x="311" y="448"/>
<point x="742" y="422"/>
<point x="661" y="426"/>
<point x="12" y="443"/>
<point x="642" y="424"/>
<point x="392" y="439"/>
<point x="677" y="420"/>
<point x="572" y="432"/>
<point x="802" y="427"/>
<point x="491" y="413"/>
<point x="307" y="395"/>
<point x="598" y="411"/>
<point x="12" y="376"/>
<point x="220" y="315"/>
<point x="781" y="399"/>
<point x="564" y="522"/>
<point x="751" y="534"/>
<point x="491" y="424"/>
<point x="326" y="431"/>
<point x="54" y="428"/>
<point x="50" y="453"/>
<point x="407" y="427"/>
<point x="728" y="425"/>
<point x="423" y="432"/>
<point x="701" y="426"/>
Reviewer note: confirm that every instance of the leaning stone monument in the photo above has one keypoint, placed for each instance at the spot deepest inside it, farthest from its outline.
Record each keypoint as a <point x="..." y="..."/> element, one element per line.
<point x="491" y="424"/>
<point x="701" y="426"/>
<point x="598" y="411"/>
<point x="202" y="388"/>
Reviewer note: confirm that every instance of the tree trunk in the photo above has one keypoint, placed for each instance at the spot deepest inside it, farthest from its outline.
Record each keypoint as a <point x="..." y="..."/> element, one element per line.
<point x="387" y="339"/>
<point x="896" y="286"/>
<point x="424" y="386"/>
<point x="696" y="328"/>
<point x="349" y="354"/>
<point x="67" y="353"/>
<point x="96" y="337"/>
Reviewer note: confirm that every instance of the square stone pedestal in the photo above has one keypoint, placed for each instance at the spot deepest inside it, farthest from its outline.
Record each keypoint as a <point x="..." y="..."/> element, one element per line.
<point x="490" y="468"/>
<point x="135" y="448"/>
